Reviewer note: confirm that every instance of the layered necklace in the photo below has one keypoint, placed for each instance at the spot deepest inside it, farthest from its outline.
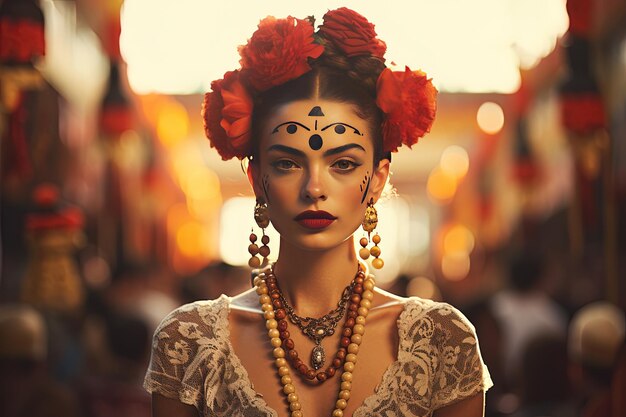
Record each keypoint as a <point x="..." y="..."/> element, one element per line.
<point x="356" y="299"/>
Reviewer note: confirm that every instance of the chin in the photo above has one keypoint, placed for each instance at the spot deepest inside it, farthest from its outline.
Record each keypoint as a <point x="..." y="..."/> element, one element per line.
<point x="316" y="241"/>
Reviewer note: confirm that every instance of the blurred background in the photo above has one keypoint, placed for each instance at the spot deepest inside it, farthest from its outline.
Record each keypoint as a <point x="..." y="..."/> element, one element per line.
<point x="114" y="210"/>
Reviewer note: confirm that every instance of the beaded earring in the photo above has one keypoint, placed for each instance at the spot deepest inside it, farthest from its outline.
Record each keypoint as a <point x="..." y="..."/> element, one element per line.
<point x="370" y="221"/>
<point x="262" y="219"/>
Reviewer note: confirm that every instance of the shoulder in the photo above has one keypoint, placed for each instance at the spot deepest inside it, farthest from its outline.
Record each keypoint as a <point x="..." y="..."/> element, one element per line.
<point x="422" y="317"/>
<point x="199" y="321"/>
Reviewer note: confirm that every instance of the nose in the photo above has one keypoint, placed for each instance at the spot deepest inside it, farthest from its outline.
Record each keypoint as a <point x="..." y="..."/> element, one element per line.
<point x="313" y="187"/>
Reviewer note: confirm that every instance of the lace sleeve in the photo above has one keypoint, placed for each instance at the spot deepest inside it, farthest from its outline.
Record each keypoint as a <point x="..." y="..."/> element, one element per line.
<point x="460" y="372"/>
<point x="181" y="346"/>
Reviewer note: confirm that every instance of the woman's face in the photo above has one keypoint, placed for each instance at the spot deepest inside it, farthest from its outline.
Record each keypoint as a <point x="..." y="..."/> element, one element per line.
<point x="315" y="171"/>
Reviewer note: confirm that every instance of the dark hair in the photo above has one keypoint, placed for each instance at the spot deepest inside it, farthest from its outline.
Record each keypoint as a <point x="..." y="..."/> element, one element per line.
<point x="334" y="77"/>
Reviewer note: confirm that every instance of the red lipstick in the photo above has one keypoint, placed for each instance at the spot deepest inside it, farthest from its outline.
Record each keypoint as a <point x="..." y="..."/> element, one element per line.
<point x="315" y="219"/>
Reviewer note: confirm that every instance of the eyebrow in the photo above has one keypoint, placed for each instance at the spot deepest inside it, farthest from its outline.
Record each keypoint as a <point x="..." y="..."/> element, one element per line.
<point x="286" y="149"/>
<point x="330" y="152"/>
<point x="343" y="148"/>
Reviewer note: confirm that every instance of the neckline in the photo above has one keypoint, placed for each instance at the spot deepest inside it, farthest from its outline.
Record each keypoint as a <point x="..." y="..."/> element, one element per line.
<point x="258" y="397"/>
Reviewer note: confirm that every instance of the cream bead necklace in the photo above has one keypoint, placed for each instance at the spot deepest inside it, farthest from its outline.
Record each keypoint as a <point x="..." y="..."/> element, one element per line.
<point x="279" y="353"/>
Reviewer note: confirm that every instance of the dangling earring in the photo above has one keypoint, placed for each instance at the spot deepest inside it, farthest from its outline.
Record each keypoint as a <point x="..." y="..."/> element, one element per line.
<point x="262" y="219"/>
<point x="370" y="221"/>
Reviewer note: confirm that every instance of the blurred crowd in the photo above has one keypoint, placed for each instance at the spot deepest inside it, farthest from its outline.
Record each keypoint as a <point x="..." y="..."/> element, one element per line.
<point x="545" y="358"/>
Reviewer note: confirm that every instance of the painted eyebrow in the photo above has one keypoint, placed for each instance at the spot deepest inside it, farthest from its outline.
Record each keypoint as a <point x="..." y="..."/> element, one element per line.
<point x="343" y="148"/>
<point x="286" y="149"/>
<point x="357" y="131"/>
<point x="290" y="123"/>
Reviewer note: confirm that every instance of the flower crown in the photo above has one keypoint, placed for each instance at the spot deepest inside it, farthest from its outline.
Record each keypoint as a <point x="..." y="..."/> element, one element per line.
<point x="280" y="50"/>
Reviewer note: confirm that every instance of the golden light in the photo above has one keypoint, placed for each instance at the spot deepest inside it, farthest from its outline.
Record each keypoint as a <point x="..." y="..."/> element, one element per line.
<point x="455" y="161"/>
<point x="424" y="288"/>
<point x="455" y="266"/>
<point x="191" y="239"/>
<point x="441" y="186"/>
<point x="179" y="47"/>
<point x="490" y="118"/>
<point x="458" y="239"/>
<point x="176" y="216"/>
<point x="172" y="124"/>
<point x="201" y="183"/>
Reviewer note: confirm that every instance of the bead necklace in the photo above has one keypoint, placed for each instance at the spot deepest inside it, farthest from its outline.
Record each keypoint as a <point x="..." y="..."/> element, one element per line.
<point x="279" y="353"/>
<point x="317" y="329"/>
<point x="289" y="344"/>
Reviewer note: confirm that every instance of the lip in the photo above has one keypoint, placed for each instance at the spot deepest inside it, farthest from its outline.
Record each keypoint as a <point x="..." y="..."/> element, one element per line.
<point x="315" y="219"/>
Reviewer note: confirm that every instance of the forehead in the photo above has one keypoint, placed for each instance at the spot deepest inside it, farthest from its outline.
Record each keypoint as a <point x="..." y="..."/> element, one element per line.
<point x="316" y="117"/>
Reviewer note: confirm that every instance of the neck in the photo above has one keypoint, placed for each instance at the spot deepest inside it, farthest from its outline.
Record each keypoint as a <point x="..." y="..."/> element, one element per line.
<point x="313" y="281"/>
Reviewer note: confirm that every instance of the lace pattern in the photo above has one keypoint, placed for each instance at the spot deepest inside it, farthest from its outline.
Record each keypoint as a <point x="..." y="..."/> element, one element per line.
<point x="438" y="363"/>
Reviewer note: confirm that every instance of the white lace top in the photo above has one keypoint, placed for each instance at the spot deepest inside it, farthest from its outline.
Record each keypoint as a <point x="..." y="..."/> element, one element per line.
<point x="438" y="363"/>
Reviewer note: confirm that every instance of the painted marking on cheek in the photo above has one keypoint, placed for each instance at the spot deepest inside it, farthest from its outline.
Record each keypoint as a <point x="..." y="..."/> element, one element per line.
<point x="363" y="182"/>
<point x="266" y="187"/>
<point x="316" y="142"/>
<point x="367" y="187"/>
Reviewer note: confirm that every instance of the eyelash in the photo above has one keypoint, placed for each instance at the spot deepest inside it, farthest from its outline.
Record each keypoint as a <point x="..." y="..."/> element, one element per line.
<point x="353" y="165"/>
<point x="280" y="165"/>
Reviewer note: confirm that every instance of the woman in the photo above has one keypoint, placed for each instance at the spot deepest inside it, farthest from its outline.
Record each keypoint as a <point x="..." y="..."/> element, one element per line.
<point x="317" y="115"/>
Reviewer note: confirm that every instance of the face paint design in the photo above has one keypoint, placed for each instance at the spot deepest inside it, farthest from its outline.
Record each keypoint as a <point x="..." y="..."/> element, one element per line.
<point x="266" y="186"/>
<point x="363" y="182"/>
<point x="367" y="187"/>
<point x="316" y="142"/>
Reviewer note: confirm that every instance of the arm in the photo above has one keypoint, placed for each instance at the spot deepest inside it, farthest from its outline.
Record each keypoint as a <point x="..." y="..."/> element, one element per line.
<point x="469" y="407"/>
<point x="167" y="407"/>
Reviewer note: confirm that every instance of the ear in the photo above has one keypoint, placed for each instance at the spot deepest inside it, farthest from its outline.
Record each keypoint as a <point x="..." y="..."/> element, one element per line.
<point x="254" y="177"/>
<point x="379" y="179"/>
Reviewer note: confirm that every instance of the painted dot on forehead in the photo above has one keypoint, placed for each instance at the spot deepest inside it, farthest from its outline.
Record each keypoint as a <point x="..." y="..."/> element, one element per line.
<point x="291" y="129"/>
<point x="340" y="129"/>
<point x="316" y="142"/>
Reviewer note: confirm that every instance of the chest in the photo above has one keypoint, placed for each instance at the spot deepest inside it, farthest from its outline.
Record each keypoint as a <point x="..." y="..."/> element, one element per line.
<point x="377" y="352"/>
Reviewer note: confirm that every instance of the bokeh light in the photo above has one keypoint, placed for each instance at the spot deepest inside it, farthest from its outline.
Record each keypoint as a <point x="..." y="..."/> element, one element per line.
<point x="441" y="186"/>
<point x="458" y="239"/>
<point x="172" y="123"/>
<point x="455" y="266"/>
<point x="490" y="118"/>
<point x="455" y="161"/>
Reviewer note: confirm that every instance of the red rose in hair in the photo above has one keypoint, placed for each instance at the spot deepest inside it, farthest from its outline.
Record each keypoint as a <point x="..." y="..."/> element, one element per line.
<point x="278" y="52"/>
<point x="351" y="32"/>
<point x="227" y="113"/>
<point x="409" y="101"/>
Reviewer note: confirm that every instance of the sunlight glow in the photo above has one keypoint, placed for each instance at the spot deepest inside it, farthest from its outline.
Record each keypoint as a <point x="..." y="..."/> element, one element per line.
<point x="477" y="46"/>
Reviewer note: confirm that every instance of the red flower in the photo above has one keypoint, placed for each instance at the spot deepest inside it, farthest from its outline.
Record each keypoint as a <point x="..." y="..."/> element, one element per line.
<point x="227" y="115"/>
<point x="278" y="52"/>
<point x="409" y="101"/>
<point x="351" y="32"/>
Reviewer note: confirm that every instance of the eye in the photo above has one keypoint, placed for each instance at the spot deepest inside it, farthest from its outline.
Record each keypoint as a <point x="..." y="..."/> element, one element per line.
<point x="284" y="165"/>
<point x="345" y="165"/>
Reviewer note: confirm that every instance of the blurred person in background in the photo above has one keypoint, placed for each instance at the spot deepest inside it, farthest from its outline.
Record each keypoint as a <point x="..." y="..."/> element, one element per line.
<point x="524" y="311"/>
<point x="595" y="343"/>
<point x="544" y="388"/>
<point x="26" y="387"/>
